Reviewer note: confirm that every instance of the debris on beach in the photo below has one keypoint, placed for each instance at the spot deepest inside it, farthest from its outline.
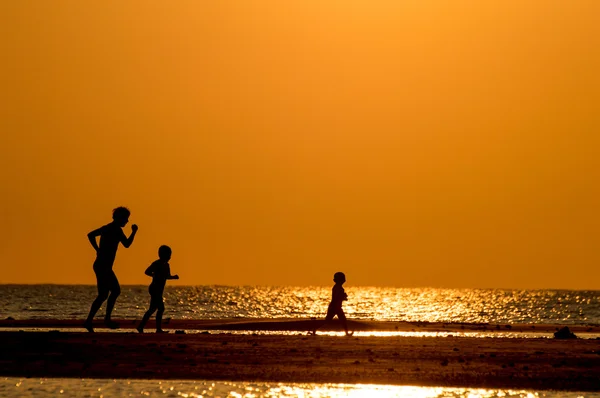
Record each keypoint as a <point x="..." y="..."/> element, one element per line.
<point x="564" y="333"/>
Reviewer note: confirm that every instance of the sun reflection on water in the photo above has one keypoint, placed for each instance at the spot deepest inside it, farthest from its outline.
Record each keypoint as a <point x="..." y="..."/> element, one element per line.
<point x="10" y="387"/>
<point x="364" y="303"/>
<point x="395" y="304"/>
<point x="384" y="391"/>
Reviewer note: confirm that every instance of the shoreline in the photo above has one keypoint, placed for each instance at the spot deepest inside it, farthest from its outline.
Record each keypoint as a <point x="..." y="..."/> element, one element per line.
<point x="304" y="325"/>
<point x="515" y="363"/>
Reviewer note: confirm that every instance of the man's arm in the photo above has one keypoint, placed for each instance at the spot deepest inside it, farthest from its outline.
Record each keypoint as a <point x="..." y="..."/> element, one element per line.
<point x="128" y="241"/>
<point x="92" y="237"/>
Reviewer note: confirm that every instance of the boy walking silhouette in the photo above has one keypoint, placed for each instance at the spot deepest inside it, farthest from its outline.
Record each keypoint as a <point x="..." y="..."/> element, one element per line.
<point x="110" y="236"/>
<point x="160" y="271"/>
<point x="338" y="295"/>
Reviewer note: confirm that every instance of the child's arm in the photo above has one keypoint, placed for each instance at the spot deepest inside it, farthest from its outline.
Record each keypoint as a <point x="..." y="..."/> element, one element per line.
<point x="338" y="295"/>
<point x="149" y="271"/>
<point x="128" y="241"/>
<point x="169" y="276"/>
<point x="92" y="237"/>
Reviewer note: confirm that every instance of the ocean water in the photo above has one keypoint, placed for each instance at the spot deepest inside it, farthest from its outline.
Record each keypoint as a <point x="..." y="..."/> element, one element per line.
<point x="41" y="388"/>
<point x="566" y="307"/>
<point x="366" y="303"/>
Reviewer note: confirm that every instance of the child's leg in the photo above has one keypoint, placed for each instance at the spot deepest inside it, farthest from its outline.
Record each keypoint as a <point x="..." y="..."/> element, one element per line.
<point x="154" y="301"/>
<point x="328" y="318"/>
<point x="115" y="291"/>
<point x="145" y="319"/>
<point x="159" y="314"/>
<point x="342" y="317"/>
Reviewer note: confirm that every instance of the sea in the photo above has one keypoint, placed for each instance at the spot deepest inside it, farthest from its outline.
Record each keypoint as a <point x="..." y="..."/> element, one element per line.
<point x="105" y="388"/>
<point x="562" y="307"/>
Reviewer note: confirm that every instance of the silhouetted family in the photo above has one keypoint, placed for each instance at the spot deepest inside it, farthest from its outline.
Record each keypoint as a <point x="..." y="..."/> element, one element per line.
<point x="108" y="285"/>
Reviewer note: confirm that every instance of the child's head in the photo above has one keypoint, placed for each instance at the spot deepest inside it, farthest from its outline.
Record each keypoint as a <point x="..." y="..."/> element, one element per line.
<point x="339" y="277"/>
<point x="121" y="215"/>
<point x="164" y="252"/>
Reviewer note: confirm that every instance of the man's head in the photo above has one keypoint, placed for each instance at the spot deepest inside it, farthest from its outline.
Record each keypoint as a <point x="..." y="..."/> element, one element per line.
<point x="121" y="215"/>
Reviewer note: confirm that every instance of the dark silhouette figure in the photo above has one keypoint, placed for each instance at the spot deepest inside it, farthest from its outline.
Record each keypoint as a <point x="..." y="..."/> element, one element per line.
<point x="160" y="271"/>
<point x="110" y="237"/>
<point x="338" y="295"/>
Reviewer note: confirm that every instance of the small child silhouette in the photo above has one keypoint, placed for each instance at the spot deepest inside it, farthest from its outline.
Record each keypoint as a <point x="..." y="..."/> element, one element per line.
<point x="160" y="271"/>
<point x="338" y="295"/>
<point x="110" y="237"/>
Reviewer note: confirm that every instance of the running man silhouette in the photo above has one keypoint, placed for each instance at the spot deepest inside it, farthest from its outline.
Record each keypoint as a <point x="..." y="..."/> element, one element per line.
<point x="338" y="295"/>
<point x="160" y="271"/>
<point x="110" y="237"/>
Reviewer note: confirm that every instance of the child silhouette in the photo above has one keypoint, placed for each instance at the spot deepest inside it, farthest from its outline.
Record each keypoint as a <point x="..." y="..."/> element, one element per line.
<point x="338" y="295"/>
<point x="160" y="271"/>
<point x="110" y="237"/>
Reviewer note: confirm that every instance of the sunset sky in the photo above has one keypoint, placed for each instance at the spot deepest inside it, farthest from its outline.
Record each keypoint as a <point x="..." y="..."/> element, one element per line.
<point x="408" y="143"/>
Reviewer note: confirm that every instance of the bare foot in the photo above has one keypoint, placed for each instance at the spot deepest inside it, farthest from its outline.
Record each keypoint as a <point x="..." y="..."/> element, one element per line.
<point x="348" y="334"/>
<point x="140" y="329"/>
<point x="111" y="324"/>
<point x="89" y="326"/>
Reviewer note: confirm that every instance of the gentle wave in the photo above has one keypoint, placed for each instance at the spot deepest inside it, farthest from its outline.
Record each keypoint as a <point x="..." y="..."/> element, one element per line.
<point x="367" y="303"/>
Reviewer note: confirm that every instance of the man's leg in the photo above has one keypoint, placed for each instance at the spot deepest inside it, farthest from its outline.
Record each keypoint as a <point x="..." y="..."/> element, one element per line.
<point x="115" y="291"/>
<point x="102" y="283"/>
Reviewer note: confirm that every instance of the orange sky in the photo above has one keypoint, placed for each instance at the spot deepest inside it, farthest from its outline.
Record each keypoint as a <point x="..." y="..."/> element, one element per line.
<point x="405" y="142"/>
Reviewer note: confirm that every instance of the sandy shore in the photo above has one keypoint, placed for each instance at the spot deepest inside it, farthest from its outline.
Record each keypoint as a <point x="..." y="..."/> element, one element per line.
<point x="270" y="324"/>
<point x="427" y="361"/>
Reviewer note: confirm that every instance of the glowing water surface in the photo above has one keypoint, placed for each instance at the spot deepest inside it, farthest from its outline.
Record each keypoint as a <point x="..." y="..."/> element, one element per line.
<point x="11" y="387"/>
<point x="567" y="307"/>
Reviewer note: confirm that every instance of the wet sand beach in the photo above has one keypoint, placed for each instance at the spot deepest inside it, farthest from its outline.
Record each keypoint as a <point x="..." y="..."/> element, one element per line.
<point x="528" y="363"/>
<point x="301" y="325"/>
